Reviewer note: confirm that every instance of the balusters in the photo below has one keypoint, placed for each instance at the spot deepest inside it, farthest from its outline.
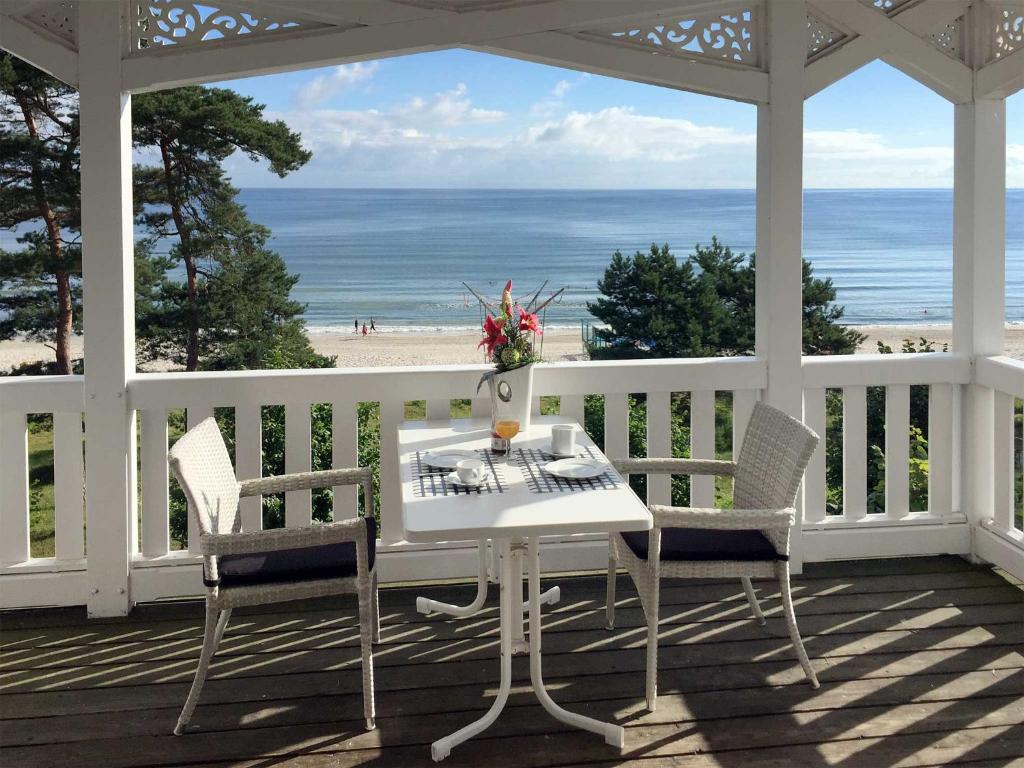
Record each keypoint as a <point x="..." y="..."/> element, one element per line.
<point x="702" y="445"/>
<point x="855" y="452"/>
<point x="659" y="444"/>
<point x="249" y="461"/>
<point x="155" y="505"/>
<point x="439" y="410"/>
<point x="14" y="519"/>
<point x="940" y="449"/>
<point x="616" y="426"/>
<point x="193" y="416"/>
<point x="814" y="478"/>
<point x="391" y="415"/>
<point x="897" y="450"/>
<point x="345" y="453"/>
<point x="571" y="408"/>
<point x="1003" y="460"/>
<point x="298" y="505"/>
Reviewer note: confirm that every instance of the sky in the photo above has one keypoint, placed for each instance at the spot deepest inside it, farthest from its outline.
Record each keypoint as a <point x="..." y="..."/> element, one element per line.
<point x="463" y="119"/>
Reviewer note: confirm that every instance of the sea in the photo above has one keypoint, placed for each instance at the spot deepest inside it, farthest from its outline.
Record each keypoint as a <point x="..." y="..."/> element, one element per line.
<point x="405" y="257"/>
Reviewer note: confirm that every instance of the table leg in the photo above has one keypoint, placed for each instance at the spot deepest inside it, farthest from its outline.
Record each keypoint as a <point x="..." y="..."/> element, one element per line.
<point x="511" y="612"/>
<point x="426" y="605"/>
<point x="613" y="734"/>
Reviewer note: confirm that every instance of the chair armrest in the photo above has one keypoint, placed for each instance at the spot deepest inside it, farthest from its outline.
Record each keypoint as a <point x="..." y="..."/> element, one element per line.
<point x="723" y="519"/>
<point x="674" y="467"/>
<point x="214" y="544"/>
<point x="304" y="480"/>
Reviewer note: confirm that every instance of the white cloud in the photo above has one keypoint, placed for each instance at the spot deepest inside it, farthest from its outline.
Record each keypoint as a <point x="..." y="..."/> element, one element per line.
<point x="447" y="109"/>
<point x="1015" y="165"/>
<point x="323" y="87"/>
<point x="856" y="158"/>
<point x="618" y="133"/>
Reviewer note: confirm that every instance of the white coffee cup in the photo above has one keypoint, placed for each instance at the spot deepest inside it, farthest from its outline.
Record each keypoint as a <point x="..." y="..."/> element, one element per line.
<point x="470" y="471"/>
<point x="563" y="439"/>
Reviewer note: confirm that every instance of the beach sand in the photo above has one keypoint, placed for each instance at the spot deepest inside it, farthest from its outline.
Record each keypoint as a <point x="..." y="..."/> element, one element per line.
<point x="384" y="349"/>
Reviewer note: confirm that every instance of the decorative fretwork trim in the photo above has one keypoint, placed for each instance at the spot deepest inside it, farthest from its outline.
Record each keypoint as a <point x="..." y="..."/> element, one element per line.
<point x="821" y="37"/>
<point x="160" y="23"/>
<point x="1007" y="31"/>
<point x="58" y="18"/>
<point x="732" y="37"/>
<point x="887" y="7"/>
<point x="949" y="39"/>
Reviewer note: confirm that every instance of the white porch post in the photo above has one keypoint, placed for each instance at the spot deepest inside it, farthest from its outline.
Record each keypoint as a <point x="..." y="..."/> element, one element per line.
<point x="108" y="312"/>
<point x="779" y="283"/>
<point x="979" y="280"/>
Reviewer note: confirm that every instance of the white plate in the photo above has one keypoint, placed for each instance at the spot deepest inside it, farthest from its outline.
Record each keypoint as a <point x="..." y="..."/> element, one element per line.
<point x="576" y="469"/>
<point x="550" y="451"/>
<point x="447" y="458"/>
<point x="453" y="478"/>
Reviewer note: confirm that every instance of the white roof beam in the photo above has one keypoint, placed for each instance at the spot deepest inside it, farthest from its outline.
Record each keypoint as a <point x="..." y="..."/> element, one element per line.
<point x="39" y="50"/>
<point x="198" y="64"/>
<point x="902" y="48"/>
<point x="850" y="56"/>
<point x="628" y="63"/>
<point x="1000" y="79"/>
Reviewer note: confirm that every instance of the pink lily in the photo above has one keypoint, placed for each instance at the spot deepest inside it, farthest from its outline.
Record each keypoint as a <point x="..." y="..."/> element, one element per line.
<point x="493" y="335"/>
<point x="529" y="322"/>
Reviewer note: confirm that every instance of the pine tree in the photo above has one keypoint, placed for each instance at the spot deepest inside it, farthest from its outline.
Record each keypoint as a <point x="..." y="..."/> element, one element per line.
<point x="656" y="306"/>
<point x="189" y="202"/>
<point x="39" y="188"/>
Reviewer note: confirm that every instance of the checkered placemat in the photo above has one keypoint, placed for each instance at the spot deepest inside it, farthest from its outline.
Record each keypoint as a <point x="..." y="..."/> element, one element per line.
<point x="532" y="461"/>
<point x="433" y="481"/>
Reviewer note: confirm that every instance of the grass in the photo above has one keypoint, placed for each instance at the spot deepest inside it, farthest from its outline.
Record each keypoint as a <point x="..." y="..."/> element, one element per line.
<point x="40" y="477"/>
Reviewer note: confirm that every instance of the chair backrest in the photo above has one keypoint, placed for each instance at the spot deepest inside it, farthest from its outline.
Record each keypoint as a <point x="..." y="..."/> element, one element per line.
<point x="775" y="452"/>
<point x="202" y="466"/>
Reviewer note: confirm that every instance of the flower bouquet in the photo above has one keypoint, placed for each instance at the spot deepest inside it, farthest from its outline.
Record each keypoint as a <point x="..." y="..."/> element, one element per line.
<point x="511" y="333"/>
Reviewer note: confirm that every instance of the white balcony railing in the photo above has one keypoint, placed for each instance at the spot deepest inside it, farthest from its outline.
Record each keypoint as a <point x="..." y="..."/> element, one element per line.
<point x="857" y="531"/>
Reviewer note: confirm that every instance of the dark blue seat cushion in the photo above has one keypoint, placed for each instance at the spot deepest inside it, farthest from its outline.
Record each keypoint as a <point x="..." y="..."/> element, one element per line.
<point x="328" y="561"/>
<point x="704" y="544"/>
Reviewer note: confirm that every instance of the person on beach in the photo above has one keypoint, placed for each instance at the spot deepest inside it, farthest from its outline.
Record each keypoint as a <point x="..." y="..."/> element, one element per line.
<point x="364" y="329"/>
<point x="373" y="327"/>
<point x="357" y="326"/>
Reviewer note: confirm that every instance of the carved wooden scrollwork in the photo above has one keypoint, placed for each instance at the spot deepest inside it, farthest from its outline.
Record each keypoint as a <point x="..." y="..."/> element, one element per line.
<point x="172" y="22"/>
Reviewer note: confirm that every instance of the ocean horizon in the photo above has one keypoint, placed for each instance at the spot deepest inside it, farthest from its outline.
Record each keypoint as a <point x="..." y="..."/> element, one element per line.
<point x="400" y="256"/>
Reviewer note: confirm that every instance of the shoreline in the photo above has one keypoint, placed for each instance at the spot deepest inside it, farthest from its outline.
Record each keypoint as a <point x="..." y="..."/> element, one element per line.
<point x="397" y="348"/>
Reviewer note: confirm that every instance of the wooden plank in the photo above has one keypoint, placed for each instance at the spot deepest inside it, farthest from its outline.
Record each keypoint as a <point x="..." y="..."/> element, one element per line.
<point x="298" y="457"/>
<point x="855" y="452"/>
<point x="156" y="535"/>
<point x="659" y="444"/>
<point x="1003" y="423"/>
<point x="345" y="453"/>
<point x="616" y="426"/>
<point x="897" y="450"/>
<point x="193" y="416"/>
<point x="14" y="507"/>
<point x="702" y="445"/>
<point x="814" y="478"/>
<point x="940" y="449"/>
<point x="249" y="460"/>
<point x="69" y="486"/>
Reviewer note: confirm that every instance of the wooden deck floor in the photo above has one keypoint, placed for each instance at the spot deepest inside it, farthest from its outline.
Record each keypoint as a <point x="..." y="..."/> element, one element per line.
<point x="920" y="663"/>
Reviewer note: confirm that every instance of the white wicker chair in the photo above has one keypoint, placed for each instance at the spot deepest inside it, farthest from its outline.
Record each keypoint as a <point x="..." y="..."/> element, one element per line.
<point x="273" y="565"/>
<point x="748" y="541"/>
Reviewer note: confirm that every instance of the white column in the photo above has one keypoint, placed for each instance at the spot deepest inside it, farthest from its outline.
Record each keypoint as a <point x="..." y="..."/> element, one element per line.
<point x="108" y="311"/>
<point x="779" y="284"/>
<point x="979" y="283"/>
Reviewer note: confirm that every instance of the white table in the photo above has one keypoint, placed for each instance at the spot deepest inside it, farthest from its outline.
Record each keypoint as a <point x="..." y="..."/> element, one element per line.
<point x="527" y="505"/>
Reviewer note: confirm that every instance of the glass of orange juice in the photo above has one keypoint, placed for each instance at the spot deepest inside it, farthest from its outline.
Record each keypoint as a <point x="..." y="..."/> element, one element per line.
<point x="506" y="429"/>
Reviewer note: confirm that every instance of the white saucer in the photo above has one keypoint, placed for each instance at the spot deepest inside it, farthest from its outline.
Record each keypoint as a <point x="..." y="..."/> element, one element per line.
<point x="447" y="458"/>
<point x="453" y="478"/>
<point x="576" y="469"/>
<point x="550" y="451"/>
